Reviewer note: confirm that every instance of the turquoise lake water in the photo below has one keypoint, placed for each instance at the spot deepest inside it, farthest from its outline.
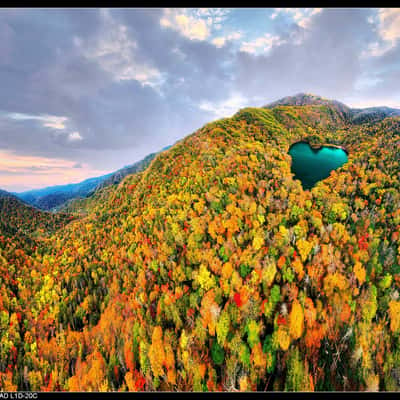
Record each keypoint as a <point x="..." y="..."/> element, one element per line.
<point x="311" y="166"/>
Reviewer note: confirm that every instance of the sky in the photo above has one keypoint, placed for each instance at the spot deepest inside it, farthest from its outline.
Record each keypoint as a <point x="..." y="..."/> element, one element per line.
<point x="84" y="92"/>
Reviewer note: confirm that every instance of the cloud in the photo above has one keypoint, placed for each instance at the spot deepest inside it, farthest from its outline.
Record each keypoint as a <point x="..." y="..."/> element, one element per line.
<point x="376" y="102"/>
<point x="376" y="49"/>
<point x="305" y="20"/>
<point x="301" y="16"/>
<point x="115" y="51"/>
<point x="189" y="26"/>
<point x="386" y="22"/>
<point x="194" y="24"/>
<point x="228" y="107"/>
<point x="325" y="61"/>
<point x="74" y="136"/>
<point x="389" y="24"/>
<point x="379" y="82"/>
<point x="16" y="171"/>
<point x="221" y="40"/>
<point x="56" y="123"/>
<point x="48" y="121"/>
<point x="215" y="16"/>
<point x="262" y="44"/>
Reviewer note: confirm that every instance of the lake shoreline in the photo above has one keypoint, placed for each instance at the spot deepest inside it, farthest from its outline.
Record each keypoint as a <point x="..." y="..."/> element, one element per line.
<point x="320" y="146"/>
<point x="311" y="166"/>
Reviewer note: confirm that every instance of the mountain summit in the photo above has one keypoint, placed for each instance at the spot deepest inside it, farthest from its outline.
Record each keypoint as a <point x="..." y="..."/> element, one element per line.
<point x="353" y="115"/>
<point x="308" y="99"/>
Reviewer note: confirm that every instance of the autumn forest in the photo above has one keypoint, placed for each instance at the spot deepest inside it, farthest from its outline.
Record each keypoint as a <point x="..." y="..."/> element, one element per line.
<point x="212" y="269"/>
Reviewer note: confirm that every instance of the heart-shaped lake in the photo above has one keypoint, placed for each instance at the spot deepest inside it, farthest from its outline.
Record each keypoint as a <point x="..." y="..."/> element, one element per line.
<point x="312" y="165"/>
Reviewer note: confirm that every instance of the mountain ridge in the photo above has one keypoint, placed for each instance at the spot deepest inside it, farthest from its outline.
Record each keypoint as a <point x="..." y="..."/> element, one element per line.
<point x="54" y="197"/>
<point x="353" y="115"/>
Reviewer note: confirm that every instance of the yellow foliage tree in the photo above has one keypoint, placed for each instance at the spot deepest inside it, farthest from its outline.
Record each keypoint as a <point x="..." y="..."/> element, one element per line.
<point x="258" y="241"/>
<point x="283" y="338"/>
<point x="394" y="314"/>
<point x="156" y="352"/>
<point x="296" y="320"/>
<point x="359" y="272"/>
<point x="304" y="248"/>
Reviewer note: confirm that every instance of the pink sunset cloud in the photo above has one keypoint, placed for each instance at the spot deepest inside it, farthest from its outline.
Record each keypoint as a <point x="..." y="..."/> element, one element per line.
<point x="19" y="172"/>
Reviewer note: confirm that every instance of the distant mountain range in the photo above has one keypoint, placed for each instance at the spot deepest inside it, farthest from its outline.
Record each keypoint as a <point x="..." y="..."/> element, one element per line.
<point x="353" y="115"/>
<point x="53" y="197"/>
<point x="4" y="194"/>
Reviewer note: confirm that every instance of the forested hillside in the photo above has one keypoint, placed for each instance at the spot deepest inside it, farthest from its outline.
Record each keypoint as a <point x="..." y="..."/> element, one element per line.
<point x="213" y="269"/>
<point x="57" y="197"/>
